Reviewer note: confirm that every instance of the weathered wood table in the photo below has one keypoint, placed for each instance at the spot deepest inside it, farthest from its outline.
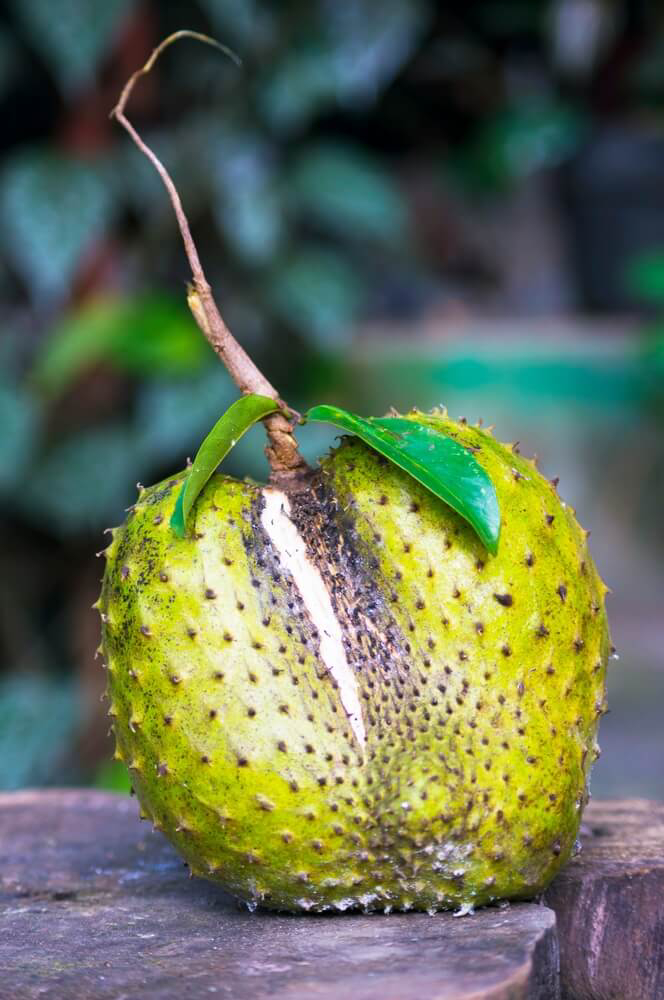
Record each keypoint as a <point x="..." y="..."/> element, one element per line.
<point x="95" y="905"/>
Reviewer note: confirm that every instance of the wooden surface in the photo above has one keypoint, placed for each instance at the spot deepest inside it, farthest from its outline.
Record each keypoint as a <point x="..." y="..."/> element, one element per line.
<point x="95" y="905"/>
<point x="609" y="905"/>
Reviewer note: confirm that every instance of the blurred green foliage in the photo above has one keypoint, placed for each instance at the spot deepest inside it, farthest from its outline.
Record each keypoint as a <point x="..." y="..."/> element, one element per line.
<point x="645" y="280"/>
<point x="645" y="277"/>
<point x="52" y="207"/>
<point x="151" y="336"/>
<point x="518" y="141"/>
<point x="303" y="177"/>
<point x="74" y="42"/>
<point x="38" y="721"/>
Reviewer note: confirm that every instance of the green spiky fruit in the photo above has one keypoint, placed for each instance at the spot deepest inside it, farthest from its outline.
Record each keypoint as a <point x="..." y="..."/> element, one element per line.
<point x="422" y="741"/>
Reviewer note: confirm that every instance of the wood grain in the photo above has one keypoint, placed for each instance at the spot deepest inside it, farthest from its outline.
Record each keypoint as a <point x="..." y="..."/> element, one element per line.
<point x="94" y="905"/>
<point x="609" y="905"/>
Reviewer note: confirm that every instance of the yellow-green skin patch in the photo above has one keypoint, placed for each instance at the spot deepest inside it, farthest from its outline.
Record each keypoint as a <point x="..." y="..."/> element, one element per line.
<point x="481" y="680"/>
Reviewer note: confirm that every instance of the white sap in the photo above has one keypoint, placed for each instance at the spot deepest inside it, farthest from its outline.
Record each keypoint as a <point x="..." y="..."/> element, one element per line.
<point x="293" y="556"/>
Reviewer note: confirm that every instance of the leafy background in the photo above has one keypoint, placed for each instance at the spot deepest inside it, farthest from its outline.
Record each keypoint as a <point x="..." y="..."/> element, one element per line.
<point x="397" y="201"/>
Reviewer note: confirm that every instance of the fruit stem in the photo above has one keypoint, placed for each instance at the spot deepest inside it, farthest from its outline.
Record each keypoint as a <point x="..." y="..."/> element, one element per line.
<point x="282" y="451"/>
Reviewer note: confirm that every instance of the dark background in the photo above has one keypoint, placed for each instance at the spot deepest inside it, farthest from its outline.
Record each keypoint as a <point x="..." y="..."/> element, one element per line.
<point x="397" y="202"/>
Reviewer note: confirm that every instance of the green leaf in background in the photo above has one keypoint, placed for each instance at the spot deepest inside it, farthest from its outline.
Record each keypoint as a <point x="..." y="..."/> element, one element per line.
<point x="652" y="353"/>
<point x="79" y="341"/>
<point x="19" y="420"/>
<point x="342" y="54"/>
<point x="113" y="776"/>
<point x="644" y="277"/>
<point x="516" y="142"/>
<point x="247" y="23"/>
<point x="151" y="335"/>
<point x="39" y="718"/>
<point x="51" y="208"/>
<point x="237" y="419"/>
<point x="83" y="482"/>
<point x="247" y="202"/>
<point x="73" y="42"/>
<point x="159" y="337"/>
<point x="369" y="51"/>
<point x="318" y="293"/>
<point x="299" y="85"/>
<point x="446" y="468"/>
<point x="348" y="191"/>
<point x="172" y="416"/>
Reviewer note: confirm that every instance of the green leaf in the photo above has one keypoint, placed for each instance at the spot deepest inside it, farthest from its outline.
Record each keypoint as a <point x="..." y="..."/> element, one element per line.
<point x="237" y="419"/>
<point x="445" y="467"/>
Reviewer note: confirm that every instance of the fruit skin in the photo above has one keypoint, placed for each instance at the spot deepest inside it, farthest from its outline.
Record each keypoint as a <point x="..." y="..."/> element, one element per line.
<point x="481" y="680"/>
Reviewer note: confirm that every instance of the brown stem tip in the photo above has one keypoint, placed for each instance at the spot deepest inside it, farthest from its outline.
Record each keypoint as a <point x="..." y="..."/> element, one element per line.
<point x="282" y="452"/>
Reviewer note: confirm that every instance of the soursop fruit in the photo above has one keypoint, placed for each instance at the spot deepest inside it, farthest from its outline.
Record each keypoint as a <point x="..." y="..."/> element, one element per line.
<point x="335" y="697"/>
